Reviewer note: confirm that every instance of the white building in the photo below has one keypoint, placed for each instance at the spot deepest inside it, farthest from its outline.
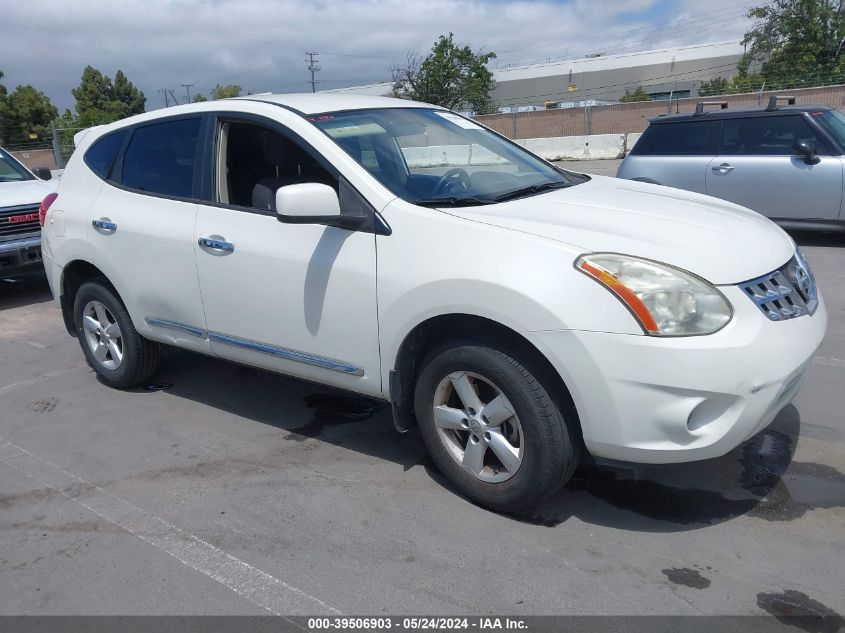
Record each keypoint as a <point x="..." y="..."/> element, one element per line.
<point x="596" y="79"/>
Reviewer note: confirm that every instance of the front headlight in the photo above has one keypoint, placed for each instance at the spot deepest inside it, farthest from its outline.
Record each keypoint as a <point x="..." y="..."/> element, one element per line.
<point x="666" y="301"/>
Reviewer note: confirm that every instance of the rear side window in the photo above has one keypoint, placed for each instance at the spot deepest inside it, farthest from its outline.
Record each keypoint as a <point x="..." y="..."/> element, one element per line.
<point x="100" y="156"/>
<point x="693" y="138"/>
<point x="767" y="136"/>
<point x="161" y="158"/>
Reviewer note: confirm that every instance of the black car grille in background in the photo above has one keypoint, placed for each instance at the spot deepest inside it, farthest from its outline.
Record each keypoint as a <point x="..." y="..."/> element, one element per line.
<point x="786" y="293"/>
<point x="18" y="220"/>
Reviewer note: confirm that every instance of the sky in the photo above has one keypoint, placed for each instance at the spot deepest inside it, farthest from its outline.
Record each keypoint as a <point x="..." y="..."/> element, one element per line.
<point x="261" y="44"/>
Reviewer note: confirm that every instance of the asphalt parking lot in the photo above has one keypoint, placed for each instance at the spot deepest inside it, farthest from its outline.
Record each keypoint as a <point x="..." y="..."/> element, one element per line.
<point x="226" y="490"/>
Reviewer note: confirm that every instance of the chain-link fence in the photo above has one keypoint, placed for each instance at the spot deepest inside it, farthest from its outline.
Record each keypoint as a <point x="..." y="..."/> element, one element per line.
<point x="52" y="152"/>
<point x="628" y="118"/>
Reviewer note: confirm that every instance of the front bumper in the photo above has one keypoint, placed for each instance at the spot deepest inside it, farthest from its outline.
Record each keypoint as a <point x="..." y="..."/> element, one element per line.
<point x="20" y="255"/>
<point x="666" y="400"/>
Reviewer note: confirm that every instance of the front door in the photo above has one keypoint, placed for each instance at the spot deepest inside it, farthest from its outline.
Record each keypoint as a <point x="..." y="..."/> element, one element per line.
<point x="298" y="299"/>
<point x="759" y="169"/>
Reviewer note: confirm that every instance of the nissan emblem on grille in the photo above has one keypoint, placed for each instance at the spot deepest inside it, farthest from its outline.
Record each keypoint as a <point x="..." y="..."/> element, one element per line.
<point x="786" y="293"/>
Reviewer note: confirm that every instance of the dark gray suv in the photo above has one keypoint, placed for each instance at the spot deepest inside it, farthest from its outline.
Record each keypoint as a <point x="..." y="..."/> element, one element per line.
<point x="787" y="163"/>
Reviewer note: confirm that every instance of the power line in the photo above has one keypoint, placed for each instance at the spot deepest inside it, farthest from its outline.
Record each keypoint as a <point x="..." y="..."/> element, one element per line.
<point x="313" y="67"/>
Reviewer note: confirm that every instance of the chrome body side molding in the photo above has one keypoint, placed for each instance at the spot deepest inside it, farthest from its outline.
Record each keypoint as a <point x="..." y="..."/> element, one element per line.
<point x="263" y="348"/>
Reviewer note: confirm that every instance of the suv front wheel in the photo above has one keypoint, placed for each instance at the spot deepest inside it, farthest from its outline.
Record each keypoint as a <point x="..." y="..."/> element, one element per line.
<point x="492" y="427"/>
<point x="112" y="346"/>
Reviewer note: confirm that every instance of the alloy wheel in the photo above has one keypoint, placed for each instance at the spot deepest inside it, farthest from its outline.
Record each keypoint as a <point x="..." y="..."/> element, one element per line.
<point x="103" y="335"/>
<point x="478" y="426"/>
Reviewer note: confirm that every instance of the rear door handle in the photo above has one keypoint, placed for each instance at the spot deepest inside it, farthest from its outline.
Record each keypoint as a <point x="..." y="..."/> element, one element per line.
<point x="723" y="168"/>
<point x="105" y="225"/>
<point x="216" y="245"/>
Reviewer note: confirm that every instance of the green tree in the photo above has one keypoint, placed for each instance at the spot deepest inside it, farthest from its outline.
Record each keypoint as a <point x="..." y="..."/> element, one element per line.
<point x="225" y="92"/>
<point x="3" y="110"/>
<point x="798" y="42"/>
<point x="716" y="86"/>
<point x="127" y="99"/>
<point x="737" y="85"/>
<point x="451" y="76"/>
<point x="100" y="100"/>
<point x="199" y="97"/>
<point x="637" y="95"/>
<point x="25" y="115"/>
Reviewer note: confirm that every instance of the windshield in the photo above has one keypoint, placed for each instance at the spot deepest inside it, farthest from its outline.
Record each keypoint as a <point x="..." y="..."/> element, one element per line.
<point x="437" y="158"/>
<point x="10" y="169"/>
<point x="833" y="121"/>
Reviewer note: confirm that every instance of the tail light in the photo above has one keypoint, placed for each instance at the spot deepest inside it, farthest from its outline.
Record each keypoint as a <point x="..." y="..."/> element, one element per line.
<point x="45" y="206"/>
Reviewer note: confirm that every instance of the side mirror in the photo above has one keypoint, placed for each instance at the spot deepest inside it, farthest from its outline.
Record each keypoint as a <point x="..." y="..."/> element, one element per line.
<point x="803" y="148"/>
<point x="312" y="203"/>
<point x="42" y="172"/>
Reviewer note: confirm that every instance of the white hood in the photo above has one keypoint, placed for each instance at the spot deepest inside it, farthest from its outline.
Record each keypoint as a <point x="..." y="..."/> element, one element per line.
<point x="13" y="194"/>
<point x="720" y="241"/>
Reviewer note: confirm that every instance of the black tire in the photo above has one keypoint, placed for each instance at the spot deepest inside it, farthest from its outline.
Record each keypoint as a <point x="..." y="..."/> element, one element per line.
<point x="141" y="357"/>
<point x="550" y="452"/>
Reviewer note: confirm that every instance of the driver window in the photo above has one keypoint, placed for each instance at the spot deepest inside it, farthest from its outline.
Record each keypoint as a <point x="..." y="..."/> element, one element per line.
<point x="254" y="161"/>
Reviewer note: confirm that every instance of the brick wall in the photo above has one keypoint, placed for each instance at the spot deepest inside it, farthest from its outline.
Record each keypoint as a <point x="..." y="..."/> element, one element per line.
<point x="628" y="118"/>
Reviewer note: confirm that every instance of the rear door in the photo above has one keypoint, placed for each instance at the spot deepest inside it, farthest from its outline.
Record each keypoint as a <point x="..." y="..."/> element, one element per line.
<point x="758" y="168"/>
<point x="673" y="154"/>
<point x="141" y="228"/>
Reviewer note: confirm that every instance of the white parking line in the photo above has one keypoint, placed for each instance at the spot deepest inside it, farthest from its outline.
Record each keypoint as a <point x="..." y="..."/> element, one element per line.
<point x="260" y="588"/>
<point x="830" y="362"/>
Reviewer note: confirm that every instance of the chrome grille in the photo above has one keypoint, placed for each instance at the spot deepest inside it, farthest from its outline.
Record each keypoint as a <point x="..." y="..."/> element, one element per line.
<point x="786" y="293"/>
<point x="18" y="220"/>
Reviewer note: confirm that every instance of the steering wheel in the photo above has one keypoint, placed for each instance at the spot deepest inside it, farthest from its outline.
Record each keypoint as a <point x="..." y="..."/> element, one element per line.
<point x="454" y="176"/>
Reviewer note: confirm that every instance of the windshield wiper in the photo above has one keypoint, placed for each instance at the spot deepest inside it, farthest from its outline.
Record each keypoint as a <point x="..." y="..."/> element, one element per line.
<point x="452" y="201"/>
<point x="530" y="191"/>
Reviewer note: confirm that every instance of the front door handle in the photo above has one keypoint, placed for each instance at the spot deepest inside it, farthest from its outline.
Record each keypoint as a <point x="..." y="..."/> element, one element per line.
<point x="216" y="244"/>
<point x="105" y="225"/>
<point x="724" y="168"/>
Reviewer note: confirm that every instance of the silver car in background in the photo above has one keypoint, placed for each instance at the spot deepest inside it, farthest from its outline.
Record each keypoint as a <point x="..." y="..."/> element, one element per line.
<point x="787" y="163"/>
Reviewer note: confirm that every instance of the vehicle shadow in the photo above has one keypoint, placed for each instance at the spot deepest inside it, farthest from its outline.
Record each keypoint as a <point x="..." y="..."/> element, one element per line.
<point x="22" y="290"/>
<point x="759" y="478"/>
<point x="818" y="238"/>
<point x="303" y="409"/>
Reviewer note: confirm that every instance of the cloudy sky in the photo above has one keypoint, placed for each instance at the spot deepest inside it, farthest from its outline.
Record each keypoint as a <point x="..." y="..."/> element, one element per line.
<point x="261" y="44"/>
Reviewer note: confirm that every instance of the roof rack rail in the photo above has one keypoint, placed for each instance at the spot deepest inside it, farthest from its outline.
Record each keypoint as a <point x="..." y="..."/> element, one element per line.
<point x="699" y="107"/>
<point x="773" y="102"/>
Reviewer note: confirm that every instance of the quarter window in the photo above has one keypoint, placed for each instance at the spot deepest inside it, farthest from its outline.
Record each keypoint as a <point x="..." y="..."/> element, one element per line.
<point x="161" y="158"/>
<point x="766" y="136"/>
<point x="695" y="138"/>
<point x="100" y="157"/>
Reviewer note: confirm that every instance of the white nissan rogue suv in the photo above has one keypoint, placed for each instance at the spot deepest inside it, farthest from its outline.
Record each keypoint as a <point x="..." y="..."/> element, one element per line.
<point x="523" y="316"/>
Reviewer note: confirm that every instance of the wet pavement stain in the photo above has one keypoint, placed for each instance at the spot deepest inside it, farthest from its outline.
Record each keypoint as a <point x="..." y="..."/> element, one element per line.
<point x="799" y="610"/>
<point x="787" y="489"/>
<point x="686" y="577"/>
<point x="332" y="410"/>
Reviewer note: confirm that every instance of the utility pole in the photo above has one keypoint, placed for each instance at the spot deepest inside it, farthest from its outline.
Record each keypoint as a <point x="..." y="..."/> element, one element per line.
<point x="187" y="88"/>
<point x="173" y="96"/>
<point x="313" y="67"/>
<point x="163" y="93"/>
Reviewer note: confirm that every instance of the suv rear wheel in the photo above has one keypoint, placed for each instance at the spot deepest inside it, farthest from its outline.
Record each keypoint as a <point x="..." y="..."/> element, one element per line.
<point x="113" y="348"/>
<point x="491" y="426"/>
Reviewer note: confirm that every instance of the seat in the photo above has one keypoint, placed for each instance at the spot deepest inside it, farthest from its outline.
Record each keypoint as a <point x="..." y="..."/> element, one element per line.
<point x="283" y="157"/>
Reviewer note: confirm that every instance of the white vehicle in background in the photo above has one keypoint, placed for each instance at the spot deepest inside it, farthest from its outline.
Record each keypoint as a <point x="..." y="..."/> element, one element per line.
<point x="523" y="316"/>
<point x="21" y="193"/>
